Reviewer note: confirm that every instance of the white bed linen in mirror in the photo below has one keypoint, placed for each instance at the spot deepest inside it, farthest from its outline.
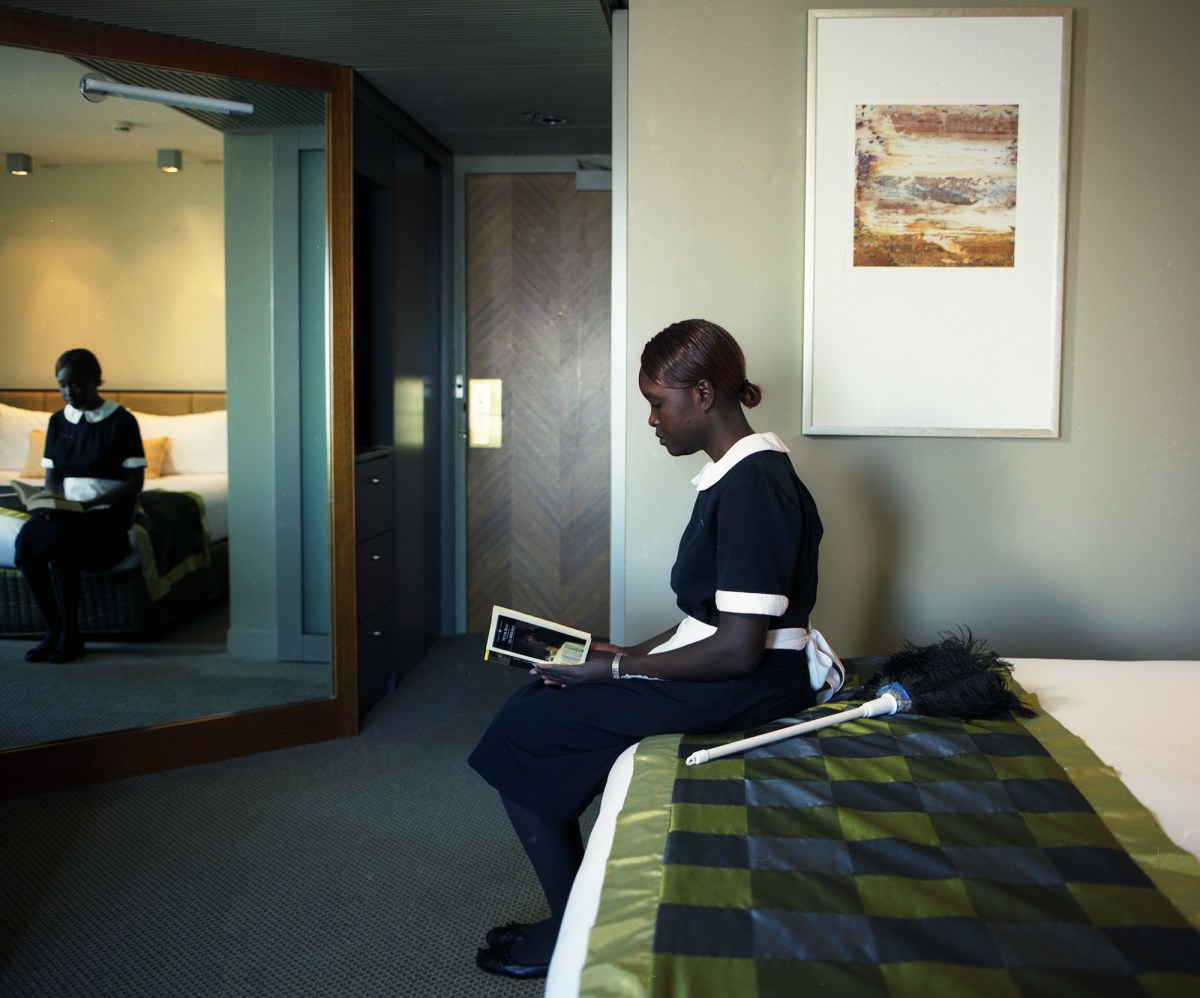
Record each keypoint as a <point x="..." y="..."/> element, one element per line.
<point x="212" y="487"/>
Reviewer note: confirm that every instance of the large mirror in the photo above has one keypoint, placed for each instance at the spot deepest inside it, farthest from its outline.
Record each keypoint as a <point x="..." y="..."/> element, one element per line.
<point x="216" y="297"/>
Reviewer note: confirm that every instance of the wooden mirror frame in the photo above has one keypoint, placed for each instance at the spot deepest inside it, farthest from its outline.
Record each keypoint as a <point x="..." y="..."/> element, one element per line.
<point x="114" y="755"/>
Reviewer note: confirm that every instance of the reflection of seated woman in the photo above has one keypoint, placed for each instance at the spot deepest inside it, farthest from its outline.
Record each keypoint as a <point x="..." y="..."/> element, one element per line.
<point x="93" y="455"/>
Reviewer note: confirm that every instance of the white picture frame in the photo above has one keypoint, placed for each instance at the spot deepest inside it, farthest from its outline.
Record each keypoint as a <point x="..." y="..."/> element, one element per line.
<point x="935" y="221"/>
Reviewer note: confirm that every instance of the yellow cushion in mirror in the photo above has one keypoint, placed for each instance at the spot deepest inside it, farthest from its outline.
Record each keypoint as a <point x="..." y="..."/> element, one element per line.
<point x="33" y="460"/>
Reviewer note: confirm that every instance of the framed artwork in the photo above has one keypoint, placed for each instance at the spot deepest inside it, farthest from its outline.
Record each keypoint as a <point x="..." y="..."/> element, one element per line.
<point x="935" y="221"/>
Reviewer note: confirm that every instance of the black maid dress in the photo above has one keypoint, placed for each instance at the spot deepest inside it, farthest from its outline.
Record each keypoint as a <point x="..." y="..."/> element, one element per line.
<point x="750" y="547"/>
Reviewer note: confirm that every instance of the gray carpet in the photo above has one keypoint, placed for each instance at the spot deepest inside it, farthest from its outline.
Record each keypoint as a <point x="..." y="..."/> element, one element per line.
<point x="130" y="685"/>
<point x="367" y="866"/>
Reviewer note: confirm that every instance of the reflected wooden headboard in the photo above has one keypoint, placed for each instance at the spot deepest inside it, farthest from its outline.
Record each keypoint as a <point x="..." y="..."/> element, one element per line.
<point x="158" y="403"/>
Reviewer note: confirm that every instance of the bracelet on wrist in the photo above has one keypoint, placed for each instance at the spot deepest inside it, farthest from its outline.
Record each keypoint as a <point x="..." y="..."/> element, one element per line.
<point x="616" y="664"/>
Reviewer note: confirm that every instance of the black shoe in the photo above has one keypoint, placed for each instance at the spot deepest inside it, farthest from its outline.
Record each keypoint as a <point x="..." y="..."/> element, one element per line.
<point x="68" y="651"/>
<point x="498" y="960"/>
<point x="42" y="650"/>
<point x="503" y="934"/>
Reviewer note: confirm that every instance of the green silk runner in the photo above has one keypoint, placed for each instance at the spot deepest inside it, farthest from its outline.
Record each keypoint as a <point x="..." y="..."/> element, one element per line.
<point x="900" y="855"/>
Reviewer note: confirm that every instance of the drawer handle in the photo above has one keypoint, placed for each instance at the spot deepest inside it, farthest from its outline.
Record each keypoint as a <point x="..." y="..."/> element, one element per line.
<point x="376" y="481"/>
<point x="377" y="557"/>
<point x="377" y="634"/>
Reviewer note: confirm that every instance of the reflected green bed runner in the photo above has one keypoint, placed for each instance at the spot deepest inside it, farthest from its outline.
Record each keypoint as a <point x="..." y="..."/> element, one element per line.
<point x="172" y="536"/>
<point x="899" y="855"/>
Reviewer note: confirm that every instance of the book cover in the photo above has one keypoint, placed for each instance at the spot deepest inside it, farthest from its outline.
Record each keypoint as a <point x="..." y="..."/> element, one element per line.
<point x="521" y="639"/>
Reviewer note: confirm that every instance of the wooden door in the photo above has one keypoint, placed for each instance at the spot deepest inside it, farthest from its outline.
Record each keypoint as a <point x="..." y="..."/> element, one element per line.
<point x="537" y="317"/>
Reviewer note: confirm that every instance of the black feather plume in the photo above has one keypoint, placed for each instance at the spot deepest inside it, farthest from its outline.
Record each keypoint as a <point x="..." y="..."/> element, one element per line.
<point x="956" y="677"/>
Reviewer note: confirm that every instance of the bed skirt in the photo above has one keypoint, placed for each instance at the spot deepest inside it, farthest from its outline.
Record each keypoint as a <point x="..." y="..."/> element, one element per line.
<point x="117" y="602"/>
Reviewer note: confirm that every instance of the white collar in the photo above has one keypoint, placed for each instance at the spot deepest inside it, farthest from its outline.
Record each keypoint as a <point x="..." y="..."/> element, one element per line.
<point x="102" y="411"/>
<point x="714" y="471"/>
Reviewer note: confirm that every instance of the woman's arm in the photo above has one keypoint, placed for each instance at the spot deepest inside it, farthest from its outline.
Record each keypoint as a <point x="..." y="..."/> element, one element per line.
<point x="130" y="488"/>
<point x="639" y="649"/>
<point x="734" y="650"/>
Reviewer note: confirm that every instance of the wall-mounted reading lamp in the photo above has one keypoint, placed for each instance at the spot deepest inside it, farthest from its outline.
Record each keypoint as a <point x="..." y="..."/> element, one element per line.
<point x="170" y="160"/>
<point x="96" y="88"/>
<point x="18" y="164"/>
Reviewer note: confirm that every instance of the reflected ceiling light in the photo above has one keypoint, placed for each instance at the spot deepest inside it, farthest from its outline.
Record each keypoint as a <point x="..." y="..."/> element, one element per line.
<point x="18" y="164"/>
<point x="95" y="88"/>
<point x="170" y="160"/>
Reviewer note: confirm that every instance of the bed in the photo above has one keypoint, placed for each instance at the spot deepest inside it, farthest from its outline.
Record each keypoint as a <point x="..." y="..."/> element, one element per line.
<point x="905" y="855"/>
<point x="187" y="486"/>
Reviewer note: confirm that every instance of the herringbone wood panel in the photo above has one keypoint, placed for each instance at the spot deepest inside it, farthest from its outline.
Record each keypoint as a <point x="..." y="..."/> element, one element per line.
<point x="538" y="279"/>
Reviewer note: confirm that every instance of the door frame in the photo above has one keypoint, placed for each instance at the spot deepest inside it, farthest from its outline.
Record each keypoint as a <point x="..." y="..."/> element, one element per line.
<point x="457" y="427"/>
<point x="454" y="618"/>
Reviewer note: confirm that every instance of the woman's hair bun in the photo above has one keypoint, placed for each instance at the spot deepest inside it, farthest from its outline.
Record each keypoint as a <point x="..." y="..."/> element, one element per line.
<point x="750" y="394"/>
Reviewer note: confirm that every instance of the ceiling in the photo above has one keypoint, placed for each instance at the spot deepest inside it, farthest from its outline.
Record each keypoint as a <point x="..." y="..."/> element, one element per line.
<point x="43" y="114"/>
<point x="471" y="72"/>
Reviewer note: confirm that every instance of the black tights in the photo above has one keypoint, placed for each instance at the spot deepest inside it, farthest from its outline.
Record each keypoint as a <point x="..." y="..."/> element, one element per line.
<point x="555" y="849"/>
<point x="55" y="589"/>
<point x="52" y="551"/>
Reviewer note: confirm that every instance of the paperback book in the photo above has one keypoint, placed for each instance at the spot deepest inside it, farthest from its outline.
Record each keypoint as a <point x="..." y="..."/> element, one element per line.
<point x="36" y="497"/>
<point x="517" y="638"/>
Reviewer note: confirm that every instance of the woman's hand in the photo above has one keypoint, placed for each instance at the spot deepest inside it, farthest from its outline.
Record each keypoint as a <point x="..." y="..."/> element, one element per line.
<point x="589" y="671"/>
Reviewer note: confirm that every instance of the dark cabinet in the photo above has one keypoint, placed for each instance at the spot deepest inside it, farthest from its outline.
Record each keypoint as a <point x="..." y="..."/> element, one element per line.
<point x="374" y="490"/>
<point x="403" y="416"/>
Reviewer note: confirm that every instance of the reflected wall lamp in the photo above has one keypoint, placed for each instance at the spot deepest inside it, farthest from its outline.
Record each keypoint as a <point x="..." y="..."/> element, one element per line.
<point x="170" y="160"/>
<point x="96" y="88"/>
<point x="18" y="164"/>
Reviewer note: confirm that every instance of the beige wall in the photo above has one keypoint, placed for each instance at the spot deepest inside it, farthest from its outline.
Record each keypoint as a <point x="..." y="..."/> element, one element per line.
<point x="1086" y="546"/>
<point x="124" y="260"/>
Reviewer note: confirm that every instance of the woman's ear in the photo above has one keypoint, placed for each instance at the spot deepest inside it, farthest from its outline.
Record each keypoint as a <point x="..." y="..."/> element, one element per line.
<point x="702" y="392"/>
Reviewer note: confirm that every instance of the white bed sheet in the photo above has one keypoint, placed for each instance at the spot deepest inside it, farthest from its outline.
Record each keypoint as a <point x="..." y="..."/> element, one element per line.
<point x="1151" y="749"/>
<point x="212" y="488"/>
<point x="1152" y="746"/>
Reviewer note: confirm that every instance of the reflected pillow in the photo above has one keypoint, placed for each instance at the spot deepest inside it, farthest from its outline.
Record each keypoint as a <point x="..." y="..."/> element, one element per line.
<point x="15" y="424"/>
<point x="156" y="450"/>
<point x="198" y="444"/>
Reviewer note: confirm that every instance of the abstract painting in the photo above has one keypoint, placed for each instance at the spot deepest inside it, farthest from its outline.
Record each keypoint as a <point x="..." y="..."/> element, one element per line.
<point x="935" y="185"/>
<point x="935" y="221"/>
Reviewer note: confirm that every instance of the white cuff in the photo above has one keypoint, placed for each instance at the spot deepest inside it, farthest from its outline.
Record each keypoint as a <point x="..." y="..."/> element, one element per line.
<point x="764" y="604"/>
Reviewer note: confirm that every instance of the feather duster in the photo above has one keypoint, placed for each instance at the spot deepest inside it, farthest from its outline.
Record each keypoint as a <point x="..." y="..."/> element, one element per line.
<point x="955" y="677"/>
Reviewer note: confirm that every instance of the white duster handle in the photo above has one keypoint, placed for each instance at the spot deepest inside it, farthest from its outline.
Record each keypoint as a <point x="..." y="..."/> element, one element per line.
<point x="885" y="703"/>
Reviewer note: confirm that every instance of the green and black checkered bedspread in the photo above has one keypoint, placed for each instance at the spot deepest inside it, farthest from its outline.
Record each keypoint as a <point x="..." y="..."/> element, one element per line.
<point x="899" y="856"/>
